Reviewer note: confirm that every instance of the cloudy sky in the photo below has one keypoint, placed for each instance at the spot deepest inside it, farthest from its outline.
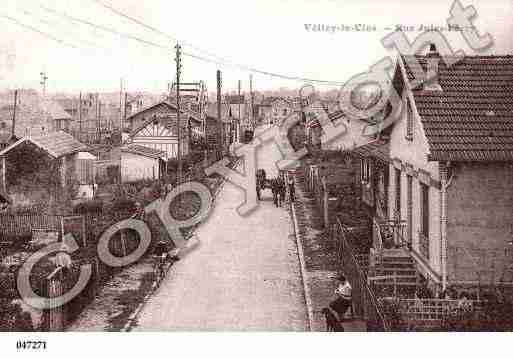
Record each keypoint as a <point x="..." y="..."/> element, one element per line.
<point x="267" y="35"/>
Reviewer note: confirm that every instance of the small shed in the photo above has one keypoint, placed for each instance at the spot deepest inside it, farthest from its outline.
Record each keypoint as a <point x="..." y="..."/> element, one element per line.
<point x="140" y="162"/>
<point x="59" y="148"/>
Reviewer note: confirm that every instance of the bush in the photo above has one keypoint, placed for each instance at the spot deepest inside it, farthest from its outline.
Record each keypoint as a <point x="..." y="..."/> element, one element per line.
<point x="123" y="204"/>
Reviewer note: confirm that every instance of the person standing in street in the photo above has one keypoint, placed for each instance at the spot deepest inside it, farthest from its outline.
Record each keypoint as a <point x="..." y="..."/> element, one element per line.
<point x="292" y="188"/>
<point x="274" y="189"/>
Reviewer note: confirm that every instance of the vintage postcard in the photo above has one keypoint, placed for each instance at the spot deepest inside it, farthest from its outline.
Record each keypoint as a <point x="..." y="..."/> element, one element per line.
<point x="255" y="166"/>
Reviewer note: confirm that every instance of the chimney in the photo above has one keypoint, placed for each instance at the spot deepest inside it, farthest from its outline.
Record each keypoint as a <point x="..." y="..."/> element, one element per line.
<point x="432" y="59"/>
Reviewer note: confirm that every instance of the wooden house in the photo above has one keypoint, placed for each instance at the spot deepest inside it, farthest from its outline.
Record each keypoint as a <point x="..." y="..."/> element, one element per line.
<point x="156" y="127"/>
<point x="139" y="162"/>
<point x="61" y="158"/>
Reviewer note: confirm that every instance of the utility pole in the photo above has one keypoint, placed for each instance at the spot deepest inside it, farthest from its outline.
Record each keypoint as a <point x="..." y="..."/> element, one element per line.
<point x="124" y="114"/>
<point x="14" y="113"/>
<point x="44" y="78"/>
<point x="80" y="116"/>
<point x="252" y="120"/>
<point x="97" y="116"/>
<point x="238" y="119"/>
<point x="178" y="61"/>
<point x="220" y="123"/>
<point x="120" y="104"/>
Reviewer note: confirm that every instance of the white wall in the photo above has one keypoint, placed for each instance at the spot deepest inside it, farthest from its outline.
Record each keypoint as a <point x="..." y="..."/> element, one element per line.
<point x="415" y="153"/>
<point x="135" y="167"/>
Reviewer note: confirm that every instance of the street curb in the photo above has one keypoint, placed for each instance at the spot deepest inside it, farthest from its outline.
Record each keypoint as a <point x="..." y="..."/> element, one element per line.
<point x="302" y="266"/>
<point x="132" y="318"/>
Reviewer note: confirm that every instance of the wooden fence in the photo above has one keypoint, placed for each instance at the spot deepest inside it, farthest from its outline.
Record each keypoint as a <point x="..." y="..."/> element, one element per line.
<point x="12" y="225"/>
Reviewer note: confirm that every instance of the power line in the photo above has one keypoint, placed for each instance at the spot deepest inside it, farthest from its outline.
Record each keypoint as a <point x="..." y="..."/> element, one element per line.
<point x="51" y="37"/>
<point x="104" y="28"/>
<point x="166" y="48"/>
<point x="154" y="29"/>
<point x="244" y="67"/>
<point x="87" y="43"/>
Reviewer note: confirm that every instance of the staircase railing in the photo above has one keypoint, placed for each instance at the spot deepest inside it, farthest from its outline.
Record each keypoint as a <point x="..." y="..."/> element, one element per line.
<point x="364" y="300"/>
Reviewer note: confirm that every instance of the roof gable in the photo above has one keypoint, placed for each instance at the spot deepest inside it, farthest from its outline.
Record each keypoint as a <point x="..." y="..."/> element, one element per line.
<point x="471" y="118"/>
<point x="162" y="106"/>
<point x="56" y="144"/>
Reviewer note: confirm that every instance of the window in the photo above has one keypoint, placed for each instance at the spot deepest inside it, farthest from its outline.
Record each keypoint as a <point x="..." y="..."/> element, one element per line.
<point x="409" y="121"/>
<point x="397" y="193"/>
<point x="424" y="220"/>
<point x="284" y="112"/>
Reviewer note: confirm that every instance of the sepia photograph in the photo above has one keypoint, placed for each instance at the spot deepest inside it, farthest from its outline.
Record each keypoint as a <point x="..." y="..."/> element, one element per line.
<point x="271" y="167"/>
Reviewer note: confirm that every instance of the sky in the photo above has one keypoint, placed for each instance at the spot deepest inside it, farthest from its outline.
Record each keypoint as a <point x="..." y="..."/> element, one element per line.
<point x="268" y="35"/>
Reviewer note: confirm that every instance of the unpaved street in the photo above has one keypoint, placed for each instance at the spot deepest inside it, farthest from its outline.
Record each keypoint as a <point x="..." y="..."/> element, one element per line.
<point x="244" y="275"/>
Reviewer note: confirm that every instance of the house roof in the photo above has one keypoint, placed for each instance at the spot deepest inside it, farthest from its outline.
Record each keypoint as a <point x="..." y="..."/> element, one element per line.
<point x="160" y="104"/>
<point x="143" y="151"/>
<point x="56" y="144"/>
<point x="235" y="99"/>
<point x="471" y="119"/>
<point x="377" y="149"/>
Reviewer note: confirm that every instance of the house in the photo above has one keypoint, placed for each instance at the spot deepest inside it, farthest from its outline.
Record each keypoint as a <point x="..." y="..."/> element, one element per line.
<point x="280" y="108"/>
<point x="140" y="162"/>
<point x="156" y="127"/>
<point x="451" y="168"/>
<point x="34" y="115"/>
<point x="33" y="165"/>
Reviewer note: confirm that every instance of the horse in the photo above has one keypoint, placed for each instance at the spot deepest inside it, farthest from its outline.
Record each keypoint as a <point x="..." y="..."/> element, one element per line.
<point x="332" y="322"/>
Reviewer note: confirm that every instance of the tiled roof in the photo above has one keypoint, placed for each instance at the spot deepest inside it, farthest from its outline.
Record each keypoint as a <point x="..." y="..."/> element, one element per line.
<point x="377" y="149"/>
<point x="56" y="144"/>
<point x="162" y="104"/>
<point x="143" y="151"/>
<point x="471" y="119"/>
<point x="59" y="143"/>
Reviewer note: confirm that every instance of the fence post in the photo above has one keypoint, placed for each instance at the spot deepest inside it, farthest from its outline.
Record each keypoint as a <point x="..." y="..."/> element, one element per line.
<point x="325" y="202"/>
<point x="55" y="316"/>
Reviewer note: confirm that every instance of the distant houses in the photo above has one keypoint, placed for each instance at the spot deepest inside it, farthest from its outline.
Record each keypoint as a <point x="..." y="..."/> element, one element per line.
<point x="32" y="115"/>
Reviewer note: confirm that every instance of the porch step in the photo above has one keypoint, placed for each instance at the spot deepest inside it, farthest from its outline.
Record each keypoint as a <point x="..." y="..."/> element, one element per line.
<point x="398" y="271"/>
<point x="397" y="259"/>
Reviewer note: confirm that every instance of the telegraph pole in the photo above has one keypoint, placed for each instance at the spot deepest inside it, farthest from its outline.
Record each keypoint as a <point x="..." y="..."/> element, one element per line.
<point x="178" y="61"/>
<point x="80" y="116"/>
<point x="44" y="78"/>
<point x="14" y="113"/>
<point x="239" y="119"/>
<point x="124" y="114"/>
<point x="221" y="134"/>
<point x="252" y="120"/>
